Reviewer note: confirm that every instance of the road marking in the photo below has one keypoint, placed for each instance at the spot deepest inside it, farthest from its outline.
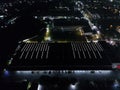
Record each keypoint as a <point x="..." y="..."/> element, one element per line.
<point x="73" y="49"/>
<point x="87" y="50"/>
<point x="23" y="47"/>
<point x="78" y="50"/>
<point x="92" y="50"/>
<point x="34" y="49"/>
<point x="38" y="50"/>
<point x="83" y="51"/>
<point x="100" y="47"/>
<point x="97" y="50"/>
<point x="28" y="50"/>
<point x="47" y="52"/>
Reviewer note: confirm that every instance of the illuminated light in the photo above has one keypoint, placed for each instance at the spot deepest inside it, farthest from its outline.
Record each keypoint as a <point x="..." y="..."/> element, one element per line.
<point x="47" y="34"/>
<point x="44" y="18"/>
<point x="47" y="38"/>
<point x="77" y="18"/>
<point x="80" y="31"/>
<point x="88" y="33"/>
<point x="25" y="40"/>
<point x="116" y="84"/>
<point x="112" y="42"/>
<point x="118" y="67"/>
<point x="65" y="17"/>
<point x="29" y="41"/>
<point x="72" y="87"/>
<point x="97" y="36"/>
<point x="111" y="26"/>
<point x="25" y="80"/>
<point x="76" y="71"/>
<point x="39" y="87"/>
<point x="84" y="71"/>
<point x="118" y="29"/>
<point x="2" y="26"/>
<point x="95" y="71"/>
<point x="105" y="72"/>
<point x="24" y="72"/>
<point x="6" y="72"/>
<point x="5" y="26"/>
<point x="9" y="62"/>
<point x="88" y="41"/>
<point x="18" y="72"/>
<point x="60" y="17"/>
<point x="95" y="41"/>
<point x="29" y="86"/>
<point x="47" y="31"/>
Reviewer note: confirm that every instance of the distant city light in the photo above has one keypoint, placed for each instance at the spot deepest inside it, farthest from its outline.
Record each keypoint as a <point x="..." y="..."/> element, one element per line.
<point x="88" y="71"/>
<point x="6" y="10"/>
<point x="35" y="17"/>
<point x="94" y="27"/>
<point x="98" y="32"/>
<point x="111" y="0"/>
<point x="111" y="42"/>
<point x="23" y="72"/>
<point x="1" y="16"/>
